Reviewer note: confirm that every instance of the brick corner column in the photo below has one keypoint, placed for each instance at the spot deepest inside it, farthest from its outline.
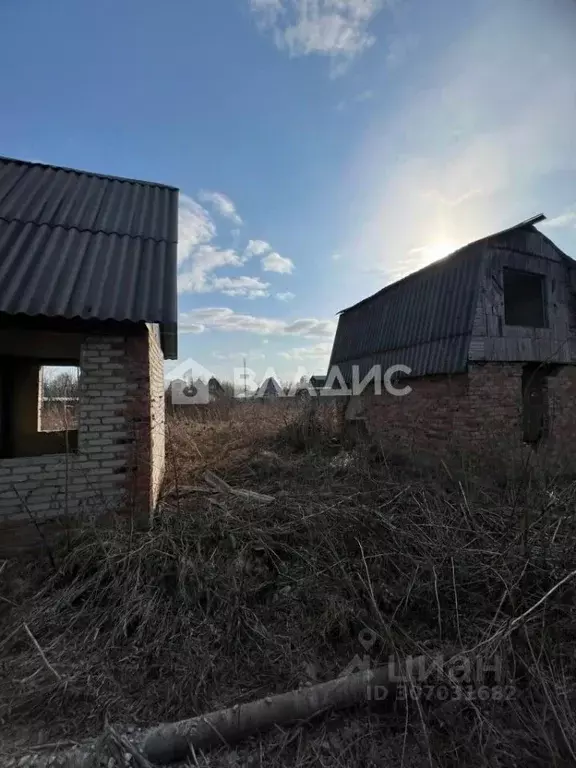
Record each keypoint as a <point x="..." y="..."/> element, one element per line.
<point x="138" y="420"/>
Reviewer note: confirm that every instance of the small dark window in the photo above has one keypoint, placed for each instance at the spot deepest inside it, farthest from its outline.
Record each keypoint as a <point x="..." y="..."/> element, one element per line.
<point x="524" y="299"/>
<point x="534" y="403"/>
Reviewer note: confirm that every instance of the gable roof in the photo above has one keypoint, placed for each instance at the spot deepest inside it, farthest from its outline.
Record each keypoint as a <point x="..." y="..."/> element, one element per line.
<point x="430" y="267"/>
<point x="269" y="387"/>
<point x="424" y="320"/>
<point x="76" y="244"/>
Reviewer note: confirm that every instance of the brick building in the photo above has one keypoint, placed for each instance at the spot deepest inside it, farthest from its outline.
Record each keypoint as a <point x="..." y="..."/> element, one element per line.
<point x="488" y="336"/>
<point x="87" y="279"/>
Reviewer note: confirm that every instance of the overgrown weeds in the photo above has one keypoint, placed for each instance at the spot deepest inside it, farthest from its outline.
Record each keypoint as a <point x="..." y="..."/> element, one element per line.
<point x="226" y="600"/>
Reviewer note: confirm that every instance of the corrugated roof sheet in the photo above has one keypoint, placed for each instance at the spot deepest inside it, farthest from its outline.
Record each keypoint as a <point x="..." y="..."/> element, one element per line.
<point x="75" y="244"/>
<point x="423" y="321"/>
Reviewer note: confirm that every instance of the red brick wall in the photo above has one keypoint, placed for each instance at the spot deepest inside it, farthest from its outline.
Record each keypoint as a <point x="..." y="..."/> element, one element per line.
<point x="475" y="417"/>
<point x="419" y="419"/>
<point x="561" y="445"/>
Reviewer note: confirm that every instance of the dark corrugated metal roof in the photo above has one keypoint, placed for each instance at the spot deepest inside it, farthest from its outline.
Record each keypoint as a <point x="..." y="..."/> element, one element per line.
<point x="423" y="321"/>
<point x="440" y="356"/>
<point x="75" y="244"/>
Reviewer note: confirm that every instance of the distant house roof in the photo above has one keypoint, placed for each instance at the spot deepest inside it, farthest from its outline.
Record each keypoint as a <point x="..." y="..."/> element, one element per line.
<point x="423" y="321"/>
<point x="269" y="388"/>
<point x="214" y="386"/>
<point x="75" y="244"/>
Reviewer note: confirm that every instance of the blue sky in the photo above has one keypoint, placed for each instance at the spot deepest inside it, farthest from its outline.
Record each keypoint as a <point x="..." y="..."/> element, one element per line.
<point x="322" y="147"/>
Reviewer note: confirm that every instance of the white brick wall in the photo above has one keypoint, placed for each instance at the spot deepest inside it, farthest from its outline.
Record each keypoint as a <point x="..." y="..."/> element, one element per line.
<point x="157" y="414"/>
<point x="93" y="480"/>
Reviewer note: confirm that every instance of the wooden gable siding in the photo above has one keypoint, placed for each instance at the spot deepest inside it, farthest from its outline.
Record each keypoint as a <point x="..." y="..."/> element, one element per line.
<point x="492" y="339"/>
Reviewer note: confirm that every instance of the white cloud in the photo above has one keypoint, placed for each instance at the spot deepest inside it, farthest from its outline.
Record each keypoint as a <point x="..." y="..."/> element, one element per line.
<point x="239" y="356"/>
<point x="269" y="8"/>
<point x="251" y="287"/>
<point x="235" y="235"/>
<point x="398" y="50"/>
<point x="203" y="260"/>
<point x="285" y="296"/>
<point x="194" y="227"/>
<point x="276" y="263"/>
<point x="358" y="99"/>
<point x="222" y="204"/>
<point x="336" y="256"/>
<point x="311" y="327"/>
<point x="365" y="96"/>
<point x="319" y="351"/>
<point x="256" y="248"/>
<point x="335" y="28"/>
<point x="198" y="277"/>
<point x="199" y="257"/>
<point x="225" y="319"/>
<point x="564" y="220"/>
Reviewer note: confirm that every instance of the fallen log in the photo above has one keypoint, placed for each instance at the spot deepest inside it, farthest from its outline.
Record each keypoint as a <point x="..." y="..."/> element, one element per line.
<point x="170" y="743"/>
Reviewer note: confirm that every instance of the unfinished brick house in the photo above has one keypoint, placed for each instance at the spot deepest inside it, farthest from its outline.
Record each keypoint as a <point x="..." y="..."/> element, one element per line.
<point x="87" y="279"/>
<point x="488" y="334"/>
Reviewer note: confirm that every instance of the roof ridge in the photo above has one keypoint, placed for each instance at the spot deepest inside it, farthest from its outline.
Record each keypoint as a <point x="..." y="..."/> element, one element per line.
<point x="90" y="231"/>
<point x="457" y="252"/>
<point x="95" y="174"/>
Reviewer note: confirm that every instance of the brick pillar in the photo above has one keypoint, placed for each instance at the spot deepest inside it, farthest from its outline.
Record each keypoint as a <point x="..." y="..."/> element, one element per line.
<point x="145" y="415"/>
<point x="103" y="437"/>
<point x="139" y="480"/>
<point x="157" y="413"/>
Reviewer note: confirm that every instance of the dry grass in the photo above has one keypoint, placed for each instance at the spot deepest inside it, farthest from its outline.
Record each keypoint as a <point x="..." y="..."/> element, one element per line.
<point x="56" y="417"/>
<point x="226" y="600"/>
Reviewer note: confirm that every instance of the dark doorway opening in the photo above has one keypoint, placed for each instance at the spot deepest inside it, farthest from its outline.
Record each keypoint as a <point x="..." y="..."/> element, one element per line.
<point x="534" y="402"/>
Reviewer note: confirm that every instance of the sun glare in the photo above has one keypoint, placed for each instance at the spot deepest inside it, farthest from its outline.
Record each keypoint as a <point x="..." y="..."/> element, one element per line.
<point x="435" y="251"/>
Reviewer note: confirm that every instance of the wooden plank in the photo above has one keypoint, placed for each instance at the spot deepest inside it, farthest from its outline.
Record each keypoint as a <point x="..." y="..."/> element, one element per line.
<point x="477" y="348"/>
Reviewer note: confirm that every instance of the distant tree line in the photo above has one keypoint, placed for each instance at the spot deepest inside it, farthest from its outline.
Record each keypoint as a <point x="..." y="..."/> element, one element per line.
<point x="63" y="384"/>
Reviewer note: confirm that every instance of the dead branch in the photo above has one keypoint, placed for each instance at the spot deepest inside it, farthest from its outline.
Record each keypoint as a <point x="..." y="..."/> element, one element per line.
<point x="41" y="652"/>
<point x="173" y="742"/>
<point x="221" y="485"/>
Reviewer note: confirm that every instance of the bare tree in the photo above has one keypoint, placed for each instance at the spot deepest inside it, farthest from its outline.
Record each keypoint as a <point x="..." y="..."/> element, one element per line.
<point x="64" y="384"/>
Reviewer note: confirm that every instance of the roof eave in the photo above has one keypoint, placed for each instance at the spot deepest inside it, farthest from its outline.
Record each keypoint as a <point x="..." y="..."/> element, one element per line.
<point x="82" y="172"/>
